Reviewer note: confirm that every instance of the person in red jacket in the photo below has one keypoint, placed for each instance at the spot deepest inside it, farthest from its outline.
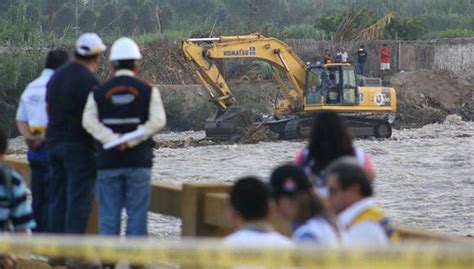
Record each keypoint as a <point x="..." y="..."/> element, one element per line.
<point x="385" y="54"/>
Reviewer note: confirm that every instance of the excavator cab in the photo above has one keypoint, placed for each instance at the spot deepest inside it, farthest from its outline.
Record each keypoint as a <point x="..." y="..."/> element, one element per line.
<point x="331" y="84"/>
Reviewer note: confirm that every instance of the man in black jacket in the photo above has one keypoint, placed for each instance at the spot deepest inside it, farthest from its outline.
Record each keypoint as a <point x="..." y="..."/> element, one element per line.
<point x="71" y="151"/>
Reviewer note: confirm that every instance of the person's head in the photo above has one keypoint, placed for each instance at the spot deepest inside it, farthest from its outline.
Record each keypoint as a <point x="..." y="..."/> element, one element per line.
<point x="3" y="144"/>
<point x="384" y="45"/>
<point x="55" y="59"/>
<point x="249" y="201"/>
<point x="362" y="47"/>
<point x="347" y="183"/>
<point x="326" y="51"/>
<point x="89" y="46"/>
<point x="330" y="139"/>
<point x="125" y="54"/>
<point x="294" y="195"/>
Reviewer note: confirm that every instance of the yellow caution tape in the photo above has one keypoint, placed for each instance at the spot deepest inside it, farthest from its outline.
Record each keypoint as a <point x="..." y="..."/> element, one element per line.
<point x="212" y="253"/>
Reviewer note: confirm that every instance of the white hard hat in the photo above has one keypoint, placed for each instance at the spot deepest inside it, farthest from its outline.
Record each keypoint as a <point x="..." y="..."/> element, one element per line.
<point x="89" y="44"/>
<point x="125" y="49"/>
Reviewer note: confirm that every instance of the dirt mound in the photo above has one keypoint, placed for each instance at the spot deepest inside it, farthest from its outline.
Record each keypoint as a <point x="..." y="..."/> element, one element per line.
<point x="428" y="96"/>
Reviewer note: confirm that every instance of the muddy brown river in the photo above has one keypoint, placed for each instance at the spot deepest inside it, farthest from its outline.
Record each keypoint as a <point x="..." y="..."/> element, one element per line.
<point x="425" y="177"/>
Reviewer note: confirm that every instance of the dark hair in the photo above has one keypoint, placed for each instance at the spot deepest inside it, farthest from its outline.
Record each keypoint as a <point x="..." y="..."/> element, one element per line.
<point x="385" y="44"/>
<point x="330" y="139"/>
<point x="250" y="197"/>
<point x="362" y="46"/>
<point x="309" y="204"/>
<point x="349" y="173"/>
<point x="56" y="58"/>
<point x="124" y="64"/>
<point x="3" y="142"/>
<point x="89" y="58"/>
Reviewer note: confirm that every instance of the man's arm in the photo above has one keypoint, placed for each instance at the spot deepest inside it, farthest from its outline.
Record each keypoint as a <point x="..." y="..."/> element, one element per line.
<point x="90" y="122"/>
<point x="156" y="118"/>
<point x="32" y="141"/>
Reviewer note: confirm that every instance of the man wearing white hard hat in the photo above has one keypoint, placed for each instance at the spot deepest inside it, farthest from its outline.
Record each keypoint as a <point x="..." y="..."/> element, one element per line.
<point x="124" y="105"/>
<point x="71" y="149"/>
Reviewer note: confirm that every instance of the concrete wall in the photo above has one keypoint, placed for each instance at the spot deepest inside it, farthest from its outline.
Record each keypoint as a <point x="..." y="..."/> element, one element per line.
<point x="454" y="57"/>
<point x="445" y="54"/>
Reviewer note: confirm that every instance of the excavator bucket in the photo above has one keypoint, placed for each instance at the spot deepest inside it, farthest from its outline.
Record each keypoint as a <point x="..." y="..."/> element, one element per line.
<point x="231" y="124"/>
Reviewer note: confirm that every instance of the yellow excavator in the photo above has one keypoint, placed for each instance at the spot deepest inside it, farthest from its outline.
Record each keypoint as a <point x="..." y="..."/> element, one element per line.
<point x="366" y="105"/>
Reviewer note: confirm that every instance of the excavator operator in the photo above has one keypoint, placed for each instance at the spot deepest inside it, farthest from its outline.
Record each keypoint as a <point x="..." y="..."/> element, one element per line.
<point x="330" y="88"/>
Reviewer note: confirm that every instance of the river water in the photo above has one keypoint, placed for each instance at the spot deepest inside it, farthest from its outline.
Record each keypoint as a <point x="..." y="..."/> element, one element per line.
<point x="425" y="177"/>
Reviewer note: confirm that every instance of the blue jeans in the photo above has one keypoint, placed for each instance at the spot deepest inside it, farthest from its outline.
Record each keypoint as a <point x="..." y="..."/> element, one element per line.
<point x="360" y="69"/>
<point x="39" y="192"/>
<point x="72" y="184"/>
<point x="127" y="188"/>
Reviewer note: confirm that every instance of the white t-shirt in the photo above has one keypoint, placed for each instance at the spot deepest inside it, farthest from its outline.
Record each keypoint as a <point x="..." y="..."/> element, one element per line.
<point x="317" y="230"/>
<point x="344" y="57"/>
<point x="32" y="107"/>
<point x="253" y="238"/>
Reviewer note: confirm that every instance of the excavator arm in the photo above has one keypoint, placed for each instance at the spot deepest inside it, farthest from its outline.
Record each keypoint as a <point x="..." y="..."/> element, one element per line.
<point x="202" y="51"/>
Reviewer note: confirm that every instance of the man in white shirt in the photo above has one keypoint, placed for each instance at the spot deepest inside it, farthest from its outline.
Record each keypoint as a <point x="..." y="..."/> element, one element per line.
<point x="32" y="120"/>
<point x="350" y="196"/>
<point x="250" y="214"/>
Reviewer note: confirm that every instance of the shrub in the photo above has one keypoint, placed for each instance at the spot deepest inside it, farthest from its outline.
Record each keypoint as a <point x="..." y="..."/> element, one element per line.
<point x="302" y="31"/>
<point x="452" y="33"/>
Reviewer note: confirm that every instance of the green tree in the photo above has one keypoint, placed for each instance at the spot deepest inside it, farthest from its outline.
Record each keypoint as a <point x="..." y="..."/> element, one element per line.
<point x="406" y="29"/>
<point x="65" y="17"/>
<point x="107" y="18"/>
<point x="87" y="20"/>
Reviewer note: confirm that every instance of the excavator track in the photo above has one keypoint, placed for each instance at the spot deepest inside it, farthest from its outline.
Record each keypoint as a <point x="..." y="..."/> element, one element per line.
<point x="292" y="130"/>
<point x="300" y="128"/>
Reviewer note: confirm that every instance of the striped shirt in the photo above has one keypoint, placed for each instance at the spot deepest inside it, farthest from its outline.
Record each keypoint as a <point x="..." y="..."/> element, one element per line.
<point x="14" y="205"/>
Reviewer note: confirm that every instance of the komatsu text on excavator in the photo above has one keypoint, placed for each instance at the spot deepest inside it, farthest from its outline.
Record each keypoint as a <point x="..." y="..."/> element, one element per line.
<point x="367" y="107"/>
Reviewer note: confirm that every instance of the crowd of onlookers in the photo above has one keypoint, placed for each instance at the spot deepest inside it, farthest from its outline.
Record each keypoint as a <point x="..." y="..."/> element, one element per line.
<point x="89" y="139"/>
<point x="342" y="56"/>
<point x="326" y="193"/>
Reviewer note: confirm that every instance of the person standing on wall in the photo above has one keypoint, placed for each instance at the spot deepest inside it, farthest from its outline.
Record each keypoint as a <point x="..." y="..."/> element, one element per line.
<point x="32" y="120"/>
<point x="361" y="59"/>
<point x="344" y="55"/>
<point x="385" y="58"/>
<point x="122" y="105"/>
<point x="71" y="149"/>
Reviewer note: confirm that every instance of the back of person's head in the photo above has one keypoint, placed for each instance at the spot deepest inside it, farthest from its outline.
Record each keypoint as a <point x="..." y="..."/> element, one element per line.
<point x="124" y="54"/>
<point x="290" y="182"/>
<point x="56" y="58"/>
<point x="287" y="180"/>
<point x="330" y="139"/>
<point x="350" y="173"/>
<point x="3" y="143"/>
<point x="250" y="198"/>
<point x="89" y="46"/>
